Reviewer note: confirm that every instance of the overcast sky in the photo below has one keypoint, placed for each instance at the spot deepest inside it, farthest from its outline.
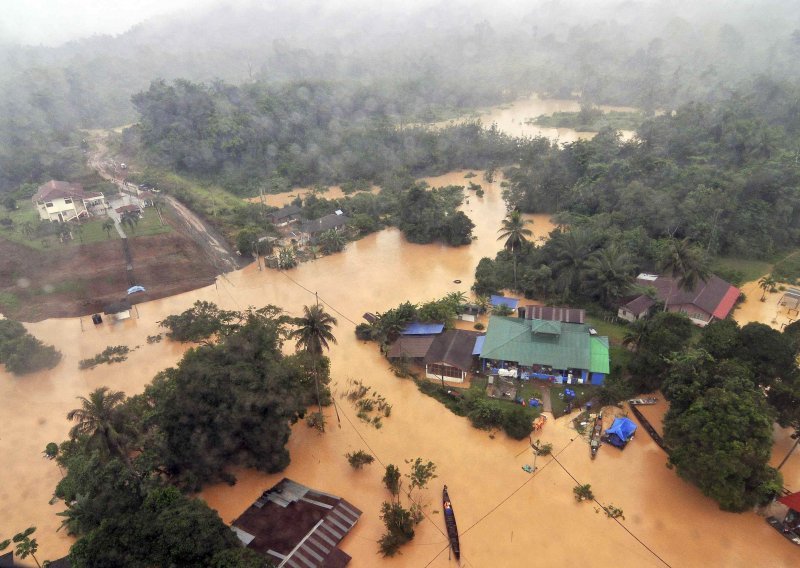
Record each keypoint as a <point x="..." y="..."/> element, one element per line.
<point x="52" y="22"/>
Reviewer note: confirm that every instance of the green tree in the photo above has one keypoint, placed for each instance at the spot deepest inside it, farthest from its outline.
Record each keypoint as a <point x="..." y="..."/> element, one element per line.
<point x="391" y="480"/>
<point x="359" y="459"/>
<point x="99" y="419"/>
<point x="515" y="233"/>
<point x="421" y="473"/>
<point x="26" y="546"/>
<point x="767" y="284"/>
<point x="314" y="330"/>
<point x="399" y="523"/>
<point x="108" y="225"/>
<point x="722" y="443"/>
<point x="572" y="251"/>
<point x="609" y="275"/>
<point x="684" y="263"/>
<point x="583" y="492"/>
<point x="332" y="241"/>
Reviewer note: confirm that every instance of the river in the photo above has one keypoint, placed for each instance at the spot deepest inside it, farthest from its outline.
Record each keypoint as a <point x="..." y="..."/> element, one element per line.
<point x="507" y="517"/>
<point x="512" y="118"/>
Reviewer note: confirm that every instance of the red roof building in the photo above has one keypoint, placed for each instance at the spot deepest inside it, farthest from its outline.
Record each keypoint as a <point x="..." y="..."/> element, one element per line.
<point x="64" y="201"/>
<point x="709" y="300"/>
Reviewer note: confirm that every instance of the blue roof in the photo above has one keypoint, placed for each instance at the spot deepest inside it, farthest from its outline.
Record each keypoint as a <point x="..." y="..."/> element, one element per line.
<point x="478" y="345"/>
<point x="623" y="428"/>
<point x="416" y="328"/>
<point x="502" y="300"/>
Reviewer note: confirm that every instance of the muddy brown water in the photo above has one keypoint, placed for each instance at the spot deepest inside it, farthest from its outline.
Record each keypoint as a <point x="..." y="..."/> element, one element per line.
<point x="512" y="119"/>
<point x="506" y="516"/>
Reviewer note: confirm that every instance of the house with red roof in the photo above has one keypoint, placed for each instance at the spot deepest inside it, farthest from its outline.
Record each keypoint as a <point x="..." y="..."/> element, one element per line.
<point x="63" y="201"/>
<point x="709" y="300"/>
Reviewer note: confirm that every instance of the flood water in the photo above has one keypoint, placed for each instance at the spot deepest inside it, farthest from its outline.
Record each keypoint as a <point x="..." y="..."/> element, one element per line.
<point x="506" y="516"/>
<point x="512" y="118"/>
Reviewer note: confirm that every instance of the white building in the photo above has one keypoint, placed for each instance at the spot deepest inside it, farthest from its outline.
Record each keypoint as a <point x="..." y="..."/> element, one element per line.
<point x="63" y="201"/>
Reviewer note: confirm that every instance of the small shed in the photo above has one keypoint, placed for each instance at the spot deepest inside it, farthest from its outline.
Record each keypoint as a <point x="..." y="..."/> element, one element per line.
<point x="118" y="310"/>
<point x="450" y="356"/>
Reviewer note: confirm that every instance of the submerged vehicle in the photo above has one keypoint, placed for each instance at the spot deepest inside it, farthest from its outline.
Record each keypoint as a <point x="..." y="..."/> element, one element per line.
<point x="450" y="523"/>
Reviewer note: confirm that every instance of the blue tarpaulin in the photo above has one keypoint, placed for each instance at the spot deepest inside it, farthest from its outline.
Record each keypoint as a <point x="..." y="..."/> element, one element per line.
<point x="417" y="328"/>
<point x="134" y="289"/>
<point x="478" y="345"/>
<point x="503" y="301"/>
<point x="621" y="432"/>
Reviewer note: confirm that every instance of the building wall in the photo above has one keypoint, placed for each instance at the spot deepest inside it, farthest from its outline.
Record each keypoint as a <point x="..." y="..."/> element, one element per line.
<point x="451" y="374"/>
<point x="68" y="210"/>
<point x="697" y="315"/>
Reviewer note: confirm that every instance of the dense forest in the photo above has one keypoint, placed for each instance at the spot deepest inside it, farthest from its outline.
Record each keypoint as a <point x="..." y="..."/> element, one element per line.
<point x="647" y="54"/>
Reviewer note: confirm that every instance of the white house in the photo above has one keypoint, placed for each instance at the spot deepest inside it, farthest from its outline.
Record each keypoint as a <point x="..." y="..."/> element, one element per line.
<point x="63" y="201"/>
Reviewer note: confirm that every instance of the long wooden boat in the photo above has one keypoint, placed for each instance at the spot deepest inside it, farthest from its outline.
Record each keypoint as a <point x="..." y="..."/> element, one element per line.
<point x="450" y="523"/>
<point x="594" y="442"/>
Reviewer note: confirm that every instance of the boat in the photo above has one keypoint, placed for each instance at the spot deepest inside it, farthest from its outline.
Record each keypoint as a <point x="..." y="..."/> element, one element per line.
<point x="450" y="523"/>
<point x="640" y="401"/>
<point x="597" y="431"/>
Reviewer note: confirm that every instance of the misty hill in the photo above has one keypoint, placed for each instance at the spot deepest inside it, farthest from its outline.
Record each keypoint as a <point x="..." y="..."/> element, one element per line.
<point x="446" y="56"/>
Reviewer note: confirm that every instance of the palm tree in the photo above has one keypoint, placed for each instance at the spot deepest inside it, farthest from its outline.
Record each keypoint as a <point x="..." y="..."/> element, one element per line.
<point x="515" y="233"/>
<point x="572" y="251"/>
<point x="685" y="263"/>
<point x="314" y="331"/>
<point x="767" y="284"/>
<point x="108" y="224"/>
<point x="609" y="274"/>
<point x="98" y="419"/>
<point x="636" y="332"/>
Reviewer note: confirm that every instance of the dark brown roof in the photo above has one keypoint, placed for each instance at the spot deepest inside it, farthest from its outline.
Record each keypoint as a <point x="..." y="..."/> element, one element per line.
<point x="713" y="296"/>
<point x="325" y="223"/>
<point x="284" y="212"/>
<point x="59" y="189"/>
<point x="411" y="346"/>
<point x="639" y="305"/>
<point x="555" y="313"/>
<point x="297" y="525"/>
<point x="453" y="347"/>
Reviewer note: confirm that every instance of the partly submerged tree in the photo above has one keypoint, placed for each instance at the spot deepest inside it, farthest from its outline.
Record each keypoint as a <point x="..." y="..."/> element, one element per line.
<point x="314" y="331"/>
<point x="515" y="234"/>
<point x="26" y="546"/>
<point x="98" y="419"/>
<point x="767" y="283"/>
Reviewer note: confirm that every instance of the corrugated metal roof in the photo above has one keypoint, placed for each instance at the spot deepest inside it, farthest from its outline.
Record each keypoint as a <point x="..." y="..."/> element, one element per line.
<point x="412" y="346"/>
<point x="512" y="339"/>
<point x="454" y="348"/>
<point x="502" y="300"/>
<point x="417" y="328"/>
<point x="478" y="345"/>
<point x="598" y="354"/>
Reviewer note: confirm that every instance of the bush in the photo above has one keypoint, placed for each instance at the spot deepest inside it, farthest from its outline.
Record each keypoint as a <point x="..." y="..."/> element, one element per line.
<point x="479" y="326"/>
<point x="22" y="353"/>
<point x="364" y="331"/>
<point x="583" y="492"/>
<point x="359" y="459"/>
<point x="518" y="422"/>
<point x="115" y="354"/>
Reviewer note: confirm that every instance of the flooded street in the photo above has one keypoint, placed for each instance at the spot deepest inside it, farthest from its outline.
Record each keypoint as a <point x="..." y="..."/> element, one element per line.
<point x="506" y="516"/>
<point x="512" y="119"/>
<point x="768" y="311"/>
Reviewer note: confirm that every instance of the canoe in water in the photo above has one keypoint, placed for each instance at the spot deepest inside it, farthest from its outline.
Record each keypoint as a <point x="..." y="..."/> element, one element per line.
<point x="450" y="523"/>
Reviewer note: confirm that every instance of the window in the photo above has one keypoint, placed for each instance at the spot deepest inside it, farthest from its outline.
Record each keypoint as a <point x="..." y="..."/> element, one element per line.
<point x="48" y="204"/>
<point x="68" y="200"/>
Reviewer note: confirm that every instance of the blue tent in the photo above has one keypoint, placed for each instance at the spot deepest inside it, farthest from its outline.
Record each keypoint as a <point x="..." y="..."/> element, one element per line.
<point x="496" y="300"/>
<point x="621" y="432"/>
<point x="416" y="328"/>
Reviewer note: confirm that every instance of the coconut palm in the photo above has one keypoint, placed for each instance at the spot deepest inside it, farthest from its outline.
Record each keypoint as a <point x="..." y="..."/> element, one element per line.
<point x="107" y="226"/>
<point x="572" y="252"/>
<point x="685" y="263"/>
<point x="515" y="233"/>
<point x="609" y="274"/>
<point x="314" y="331"/>
<point x="635" y="333"/>
<point x="98" y="418"/>
<point x="767" y="284"/>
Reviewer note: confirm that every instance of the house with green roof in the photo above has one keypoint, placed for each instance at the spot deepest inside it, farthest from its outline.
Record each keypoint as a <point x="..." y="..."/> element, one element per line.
<point x="549" y="350"/>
